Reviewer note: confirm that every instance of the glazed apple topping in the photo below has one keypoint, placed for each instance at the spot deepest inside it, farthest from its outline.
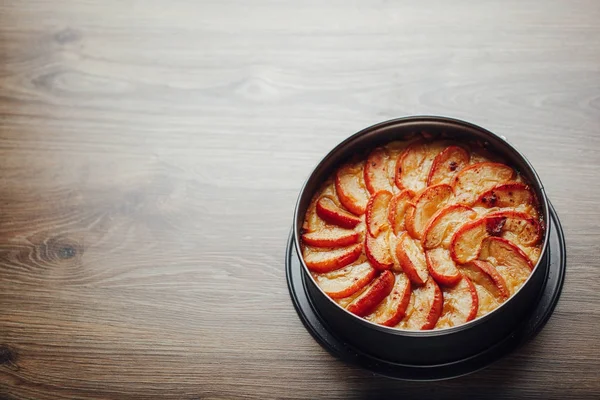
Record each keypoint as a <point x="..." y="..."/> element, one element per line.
<point x="510" y="261"/>
<point x="477" y="178"/>
<point x="331" y="237"/>
<point x="414" y="164"/>
<point x="377" y="212"/>
<point x="425" y="307"/>
<point x="441" y="267"/>
<point x="447" y="164"/>
<point x="376" y="173"/>
<point x="346" y="281"/>
<point x="378" y="251"/>
<point x="445" y="223"/>
<point x="350" y="188"/>
<point x="327" y="260"/>
<point x="373" y="294"/>
<point x="412" y="259"/>
<point x="393" y="308"/>
<point x="398" y="210"/>
<point x="461" y="303"/>
<point x="330" y="212"/>
<point x="426" y="204"/>
<point x="427" y="234"/>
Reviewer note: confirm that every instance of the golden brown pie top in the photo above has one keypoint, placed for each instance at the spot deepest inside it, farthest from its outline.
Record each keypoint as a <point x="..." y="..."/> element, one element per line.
<point x="422" y="234"/>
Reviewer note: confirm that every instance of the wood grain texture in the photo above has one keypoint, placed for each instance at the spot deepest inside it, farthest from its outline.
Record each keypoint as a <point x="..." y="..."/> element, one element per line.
<point x="151" y="154"/>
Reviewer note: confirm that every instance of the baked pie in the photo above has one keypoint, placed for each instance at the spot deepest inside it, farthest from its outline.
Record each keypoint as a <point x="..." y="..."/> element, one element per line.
<point x="422" y="234"/>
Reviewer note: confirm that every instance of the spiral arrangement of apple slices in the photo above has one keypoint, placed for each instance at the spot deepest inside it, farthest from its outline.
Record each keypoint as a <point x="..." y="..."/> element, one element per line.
<point x="422" y="235"/>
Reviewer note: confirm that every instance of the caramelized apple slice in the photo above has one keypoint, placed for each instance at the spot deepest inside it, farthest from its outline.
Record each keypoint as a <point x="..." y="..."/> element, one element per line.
<point x="412" y="259"/>
<point x="346" y="281"/>
<point x="485" y="274"/>
<point x="426" y="204"/>
<point x="377" y="212"/>
<point x="377" y="251"/>
<point x="395" y="150"/>
<point x="413" y="165"/>
<point x="504" y="251"/>
<point x="447" y="164"/>
<point x="460" y="304"/>
<point x="399" y="204"/>
<point x="477" y="178"/>
<point x="533" y="253"/>
<point x="424" y="308"/>
<point x="373" y="294"/>
<point x="510" y="261"/>
<point x="331" y="237"/>
<point x="444" y="224"/>
<point x="393" y="308"/>
<point x="519" y="227"/>
<point x="376" y="171"/>
<point x="392" y="244"/>
<point x="506" y="195"/>
<point x="409" y="218"/>
<point x="312" y="222"/>
<point x="324" y="260"/>
<point x="487" y="301"/>
<point x="328" y="211"/>
<point x="350" y="189"/>
<point x="442" y="268"/>
<point x="466" y="242"/>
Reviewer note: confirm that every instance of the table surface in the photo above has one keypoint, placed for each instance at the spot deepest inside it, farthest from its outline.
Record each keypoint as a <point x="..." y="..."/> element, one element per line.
<point x="151" y="154"/>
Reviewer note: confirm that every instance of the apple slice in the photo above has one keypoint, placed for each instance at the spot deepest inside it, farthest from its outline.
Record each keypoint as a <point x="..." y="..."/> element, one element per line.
<point x="376" y="171"/>
<point x="399" y="205"/>
<point x="510" y="261"/>
<point x="377" y="212"/>
<point x="392" y="244"/>
<point x="413" y="165"/>
<point x="328" y="211"/>
<point x="460" y="304"/>
<point x="331" y="237"/>
<point x="393" y="308"/>
<point x="425" y="307"/>
<point x="466" y="242"/>
<point x="519" y="227"/>
<point x="485" y="274"/>
<point x="478" y="178"/>
<point x="343" y="302"/>
<point x="346" y="281"/>
<point x="447" y="164"/>
<point x="395" y="150"/>
<point x="312" y="221"/>
<point x="441" y="267"/>
<point x="350" y="189"/>
<point x="373" y="294"/>
<point x="504" y="251"/>
<point x="506" y="195"/>
<point x="412" y="259"/>
<point x="426" y="204"/>
<point x="487" y="301"/>
<point x="533" y="253"/>
<point x="444" y="223"/>
<point x="409" y="218"/>
<point x="377" y="251"/>
<point x="330" y="260"/>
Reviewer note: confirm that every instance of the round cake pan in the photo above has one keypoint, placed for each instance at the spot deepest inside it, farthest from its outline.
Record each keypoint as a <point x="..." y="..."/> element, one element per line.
<point x="435" y="346"/>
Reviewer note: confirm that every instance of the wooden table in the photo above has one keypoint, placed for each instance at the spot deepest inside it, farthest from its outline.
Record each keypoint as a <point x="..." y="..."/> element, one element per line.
<point x="151" y="153"/>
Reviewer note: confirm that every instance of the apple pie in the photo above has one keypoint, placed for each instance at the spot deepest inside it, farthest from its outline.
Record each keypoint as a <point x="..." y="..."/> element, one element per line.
<point x="422" y="234"/>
